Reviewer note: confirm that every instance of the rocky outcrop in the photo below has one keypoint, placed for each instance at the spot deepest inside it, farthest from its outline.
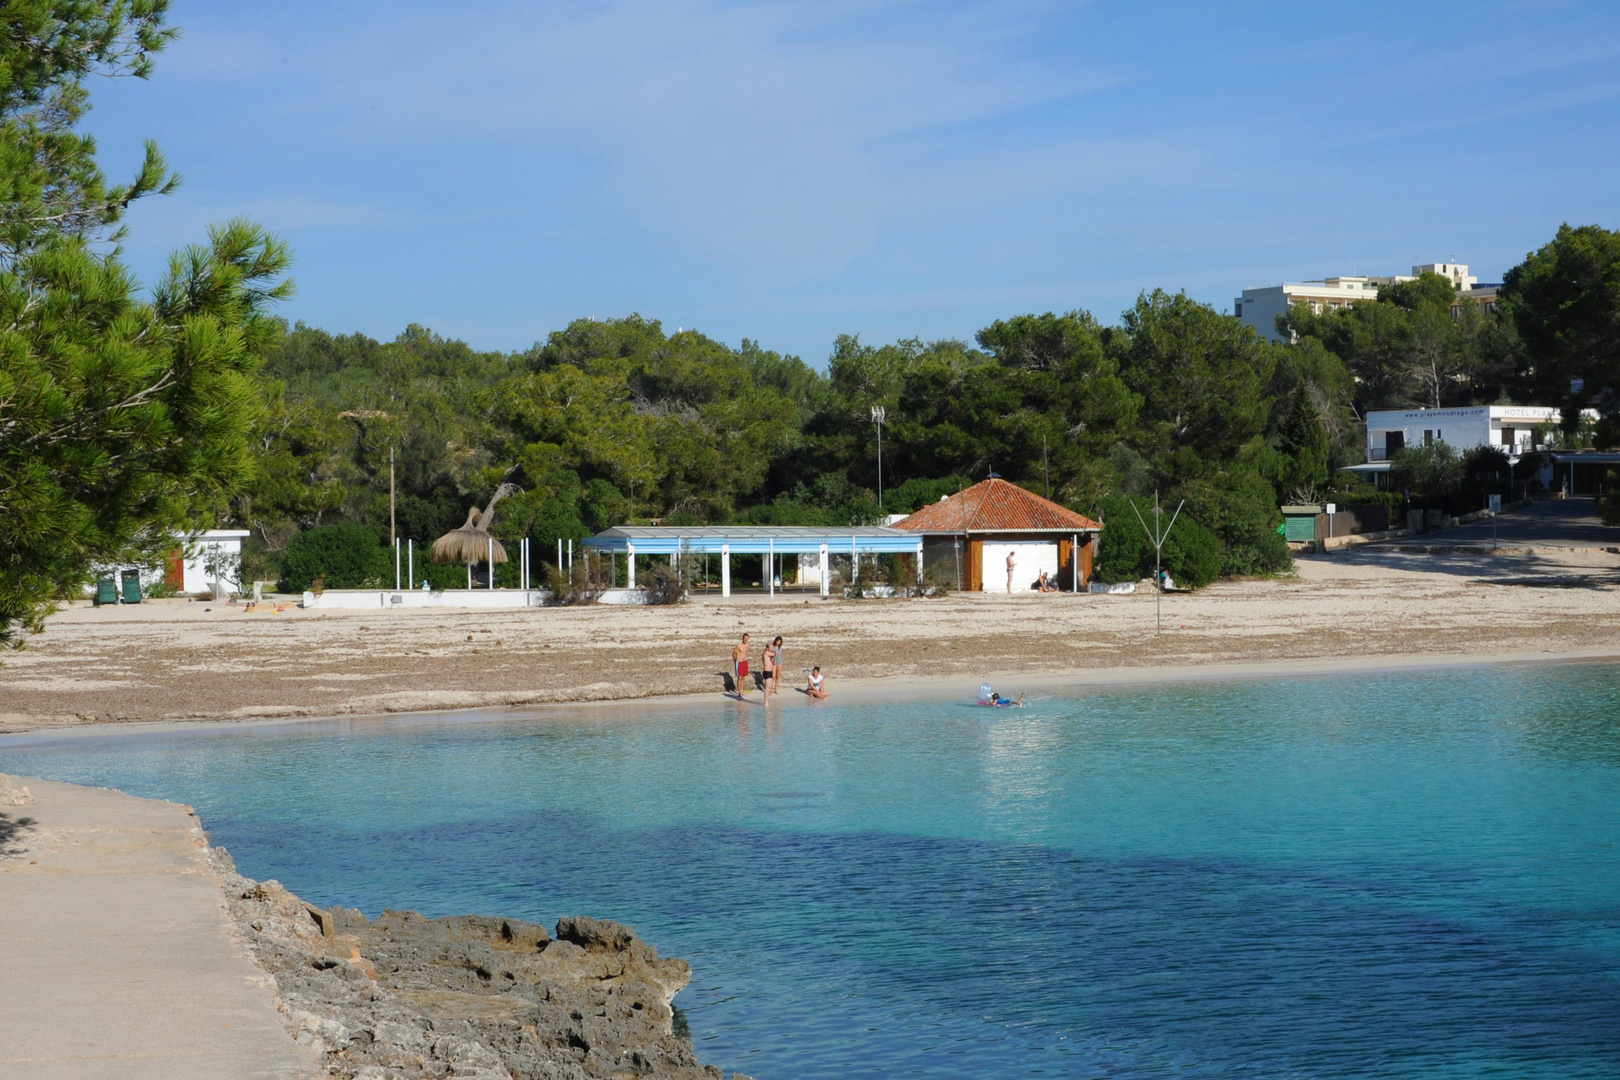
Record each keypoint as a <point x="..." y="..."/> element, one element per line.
<point x="404" y="996"/>
<point x="14" y="796"/>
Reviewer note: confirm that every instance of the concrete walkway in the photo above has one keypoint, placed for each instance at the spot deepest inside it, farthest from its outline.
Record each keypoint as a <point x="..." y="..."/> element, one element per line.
<point x="117" y="958"/>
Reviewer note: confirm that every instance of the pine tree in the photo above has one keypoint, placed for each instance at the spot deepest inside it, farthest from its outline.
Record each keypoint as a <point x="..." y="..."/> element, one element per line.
<point x="121" y="420"/>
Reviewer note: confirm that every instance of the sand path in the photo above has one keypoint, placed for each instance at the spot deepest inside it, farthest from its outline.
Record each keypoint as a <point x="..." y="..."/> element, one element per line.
<point x="177" y="659"/>
<point x="119" y="958"/>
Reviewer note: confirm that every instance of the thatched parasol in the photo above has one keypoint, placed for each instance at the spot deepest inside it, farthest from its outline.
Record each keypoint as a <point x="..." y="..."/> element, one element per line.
<point x="472" y="543"/>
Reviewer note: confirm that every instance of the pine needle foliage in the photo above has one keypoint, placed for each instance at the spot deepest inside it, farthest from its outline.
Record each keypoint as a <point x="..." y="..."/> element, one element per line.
<point x="122" y="420"/>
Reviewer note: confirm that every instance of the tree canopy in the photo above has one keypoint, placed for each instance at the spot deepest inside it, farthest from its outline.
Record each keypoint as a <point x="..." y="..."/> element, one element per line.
<point x="122" y="420"/>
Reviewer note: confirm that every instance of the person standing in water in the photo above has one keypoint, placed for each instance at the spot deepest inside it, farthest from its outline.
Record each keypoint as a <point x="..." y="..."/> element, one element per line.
<point x="739" y="665"/>
<point x="772" y="662"/>
<point x="1012" y="560"/>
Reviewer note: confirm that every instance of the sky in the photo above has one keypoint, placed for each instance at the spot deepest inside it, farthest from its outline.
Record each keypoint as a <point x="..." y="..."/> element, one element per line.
<point x="788" y="172"/>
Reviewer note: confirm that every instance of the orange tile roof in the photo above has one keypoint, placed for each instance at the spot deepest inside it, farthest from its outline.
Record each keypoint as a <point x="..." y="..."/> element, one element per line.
<point x="994" y="505"/>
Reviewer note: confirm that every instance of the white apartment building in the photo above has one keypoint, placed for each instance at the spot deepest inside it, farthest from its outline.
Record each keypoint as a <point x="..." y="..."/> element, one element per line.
<point x="1259" y="307"/>
<point x="1514" y="428"/>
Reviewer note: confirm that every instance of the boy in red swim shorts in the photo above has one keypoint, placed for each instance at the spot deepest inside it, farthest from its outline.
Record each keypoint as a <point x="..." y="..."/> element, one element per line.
<point x="739" y="664"/>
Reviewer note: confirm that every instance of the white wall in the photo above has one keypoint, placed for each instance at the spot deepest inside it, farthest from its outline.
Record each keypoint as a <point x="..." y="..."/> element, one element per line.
<point x="1032" y="556"/>
<point x="809" y="572"/>
<point x="197" y="550"/>
<point x="1461" y="429"/>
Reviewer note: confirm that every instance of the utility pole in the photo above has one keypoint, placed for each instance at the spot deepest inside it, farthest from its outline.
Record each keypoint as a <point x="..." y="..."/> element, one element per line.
<point x="1158" y="539"/>
<point x="879" y="413"/>
<point x="1045" y="471"/>
<point x="393" y="537"/>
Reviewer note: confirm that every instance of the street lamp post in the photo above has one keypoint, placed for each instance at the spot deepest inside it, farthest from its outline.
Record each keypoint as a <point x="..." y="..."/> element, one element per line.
<point x="878" y="416"/>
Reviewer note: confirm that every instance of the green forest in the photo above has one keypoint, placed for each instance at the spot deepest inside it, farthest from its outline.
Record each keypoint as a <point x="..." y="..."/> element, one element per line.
<point x="128" y="413"/>
<point x="614" y="422"/>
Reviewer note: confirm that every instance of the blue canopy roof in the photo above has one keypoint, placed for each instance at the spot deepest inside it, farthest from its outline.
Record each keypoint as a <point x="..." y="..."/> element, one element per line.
<point x="753" y="539"/>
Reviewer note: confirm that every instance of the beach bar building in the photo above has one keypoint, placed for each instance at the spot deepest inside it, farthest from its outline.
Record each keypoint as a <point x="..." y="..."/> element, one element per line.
<point x="811" y="549"/>
<point x="967" y="537"/>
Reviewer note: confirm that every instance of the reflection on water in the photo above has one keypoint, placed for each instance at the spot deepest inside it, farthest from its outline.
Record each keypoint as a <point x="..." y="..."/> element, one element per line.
<point x="1402" y="875"/>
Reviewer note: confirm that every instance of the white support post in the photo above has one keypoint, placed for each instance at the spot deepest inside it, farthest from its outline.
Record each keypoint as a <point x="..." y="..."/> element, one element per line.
<point x="854" y="562"/>
<point x="919" y="563"/>
<point x="396" y="563"/>
<point x="491" y="563"/>
<point x="826" y="578"/>
<point x="770" y="567"/>
<point x="410" y="562"/>
<point x="630" y="561"/>
<point x="559" y="554"/>
<point x="725" y="569"/>
<point x="1074" y="559"/>
<point x="570" y="554"/>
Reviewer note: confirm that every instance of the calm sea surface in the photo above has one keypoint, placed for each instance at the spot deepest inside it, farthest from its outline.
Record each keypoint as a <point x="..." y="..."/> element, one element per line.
<point x="1411" y="875"/>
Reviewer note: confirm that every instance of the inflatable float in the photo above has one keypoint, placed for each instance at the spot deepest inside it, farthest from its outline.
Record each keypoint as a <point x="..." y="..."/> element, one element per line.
<point x="990" y="699"/>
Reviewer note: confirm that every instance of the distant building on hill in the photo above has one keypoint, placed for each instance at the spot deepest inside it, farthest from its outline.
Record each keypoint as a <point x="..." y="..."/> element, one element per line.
<point x="968" y="536"/>
<point x="1259" y="307"/>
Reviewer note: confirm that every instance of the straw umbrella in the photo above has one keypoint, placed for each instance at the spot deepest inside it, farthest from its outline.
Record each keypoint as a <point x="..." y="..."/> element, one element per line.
<point x="472" y="543"/>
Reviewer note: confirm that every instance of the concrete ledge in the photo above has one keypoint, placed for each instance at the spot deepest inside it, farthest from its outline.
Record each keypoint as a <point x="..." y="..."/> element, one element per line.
<point x="120" y="960"/>
<point x="423" y="598"/>
<point x="1334" y="543"/>
<point x="623" y="596"/>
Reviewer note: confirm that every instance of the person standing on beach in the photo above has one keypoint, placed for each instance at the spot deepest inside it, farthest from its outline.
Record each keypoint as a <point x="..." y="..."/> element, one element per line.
<point x="739" y="665"/>
<point x="772" y="661"/>
<point x="1012" y="560"/>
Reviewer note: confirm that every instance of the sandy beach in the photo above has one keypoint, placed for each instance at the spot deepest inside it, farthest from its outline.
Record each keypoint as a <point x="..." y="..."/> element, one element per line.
<point x="186" y="660"/>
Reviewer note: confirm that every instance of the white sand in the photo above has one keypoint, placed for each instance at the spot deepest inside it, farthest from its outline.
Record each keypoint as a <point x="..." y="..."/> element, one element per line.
<point x="181" y="660"/>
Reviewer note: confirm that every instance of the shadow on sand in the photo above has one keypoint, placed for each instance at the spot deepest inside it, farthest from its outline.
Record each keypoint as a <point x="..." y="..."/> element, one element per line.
<point x="12" y="831"/>
<point x="1486" y="568"/>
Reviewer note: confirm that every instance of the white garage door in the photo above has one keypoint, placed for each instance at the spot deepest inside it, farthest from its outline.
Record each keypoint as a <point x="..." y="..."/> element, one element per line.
<point x="1029" y="559"/>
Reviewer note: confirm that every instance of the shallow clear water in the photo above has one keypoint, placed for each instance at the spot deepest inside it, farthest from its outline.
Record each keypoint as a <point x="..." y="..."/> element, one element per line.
<point x="1411" y="875"/>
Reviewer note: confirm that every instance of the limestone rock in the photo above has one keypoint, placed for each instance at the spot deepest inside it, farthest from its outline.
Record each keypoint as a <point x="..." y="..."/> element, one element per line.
<point x="14" y="796"/>
<point x="402" y="996"/>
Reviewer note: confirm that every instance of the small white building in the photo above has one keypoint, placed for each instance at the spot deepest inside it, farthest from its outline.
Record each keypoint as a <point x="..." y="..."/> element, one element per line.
<point x="1517" y="429"/>
<point x="192" y="568"/>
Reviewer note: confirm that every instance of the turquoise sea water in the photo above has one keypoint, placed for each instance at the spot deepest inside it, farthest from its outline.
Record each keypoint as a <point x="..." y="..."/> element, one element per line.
<point x="1404" y="875"/>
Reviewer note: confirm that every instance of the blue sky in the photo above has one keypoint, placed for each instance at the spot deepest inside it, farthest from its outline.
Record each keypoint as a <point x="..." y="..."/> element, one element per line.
<point x="791" y="171"/>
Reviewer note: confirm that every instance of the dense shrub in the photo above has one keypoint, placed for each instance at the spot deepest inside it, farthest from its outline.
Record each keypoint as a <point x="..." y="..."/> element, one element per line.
<point x="662" y="584"/>
<point x="1432" y="474"/>
<point x="1609" y="505"/>
<point x="346" y="556"/>
<point x="1240" y="508"/>
<point x="1192" y="554"/>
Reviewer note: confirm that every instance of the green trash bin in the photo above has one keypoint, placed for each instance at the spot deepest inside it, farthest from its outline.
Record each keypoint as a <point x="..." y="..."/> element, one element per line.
<point x="106" y="592"/>
<point x="132" y="586"/>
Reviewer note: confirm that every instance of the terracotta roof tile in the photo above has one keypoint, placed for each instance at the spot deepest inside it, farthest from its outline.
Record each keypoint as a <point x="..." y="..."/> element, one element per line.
<point x="996" y="506"/>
